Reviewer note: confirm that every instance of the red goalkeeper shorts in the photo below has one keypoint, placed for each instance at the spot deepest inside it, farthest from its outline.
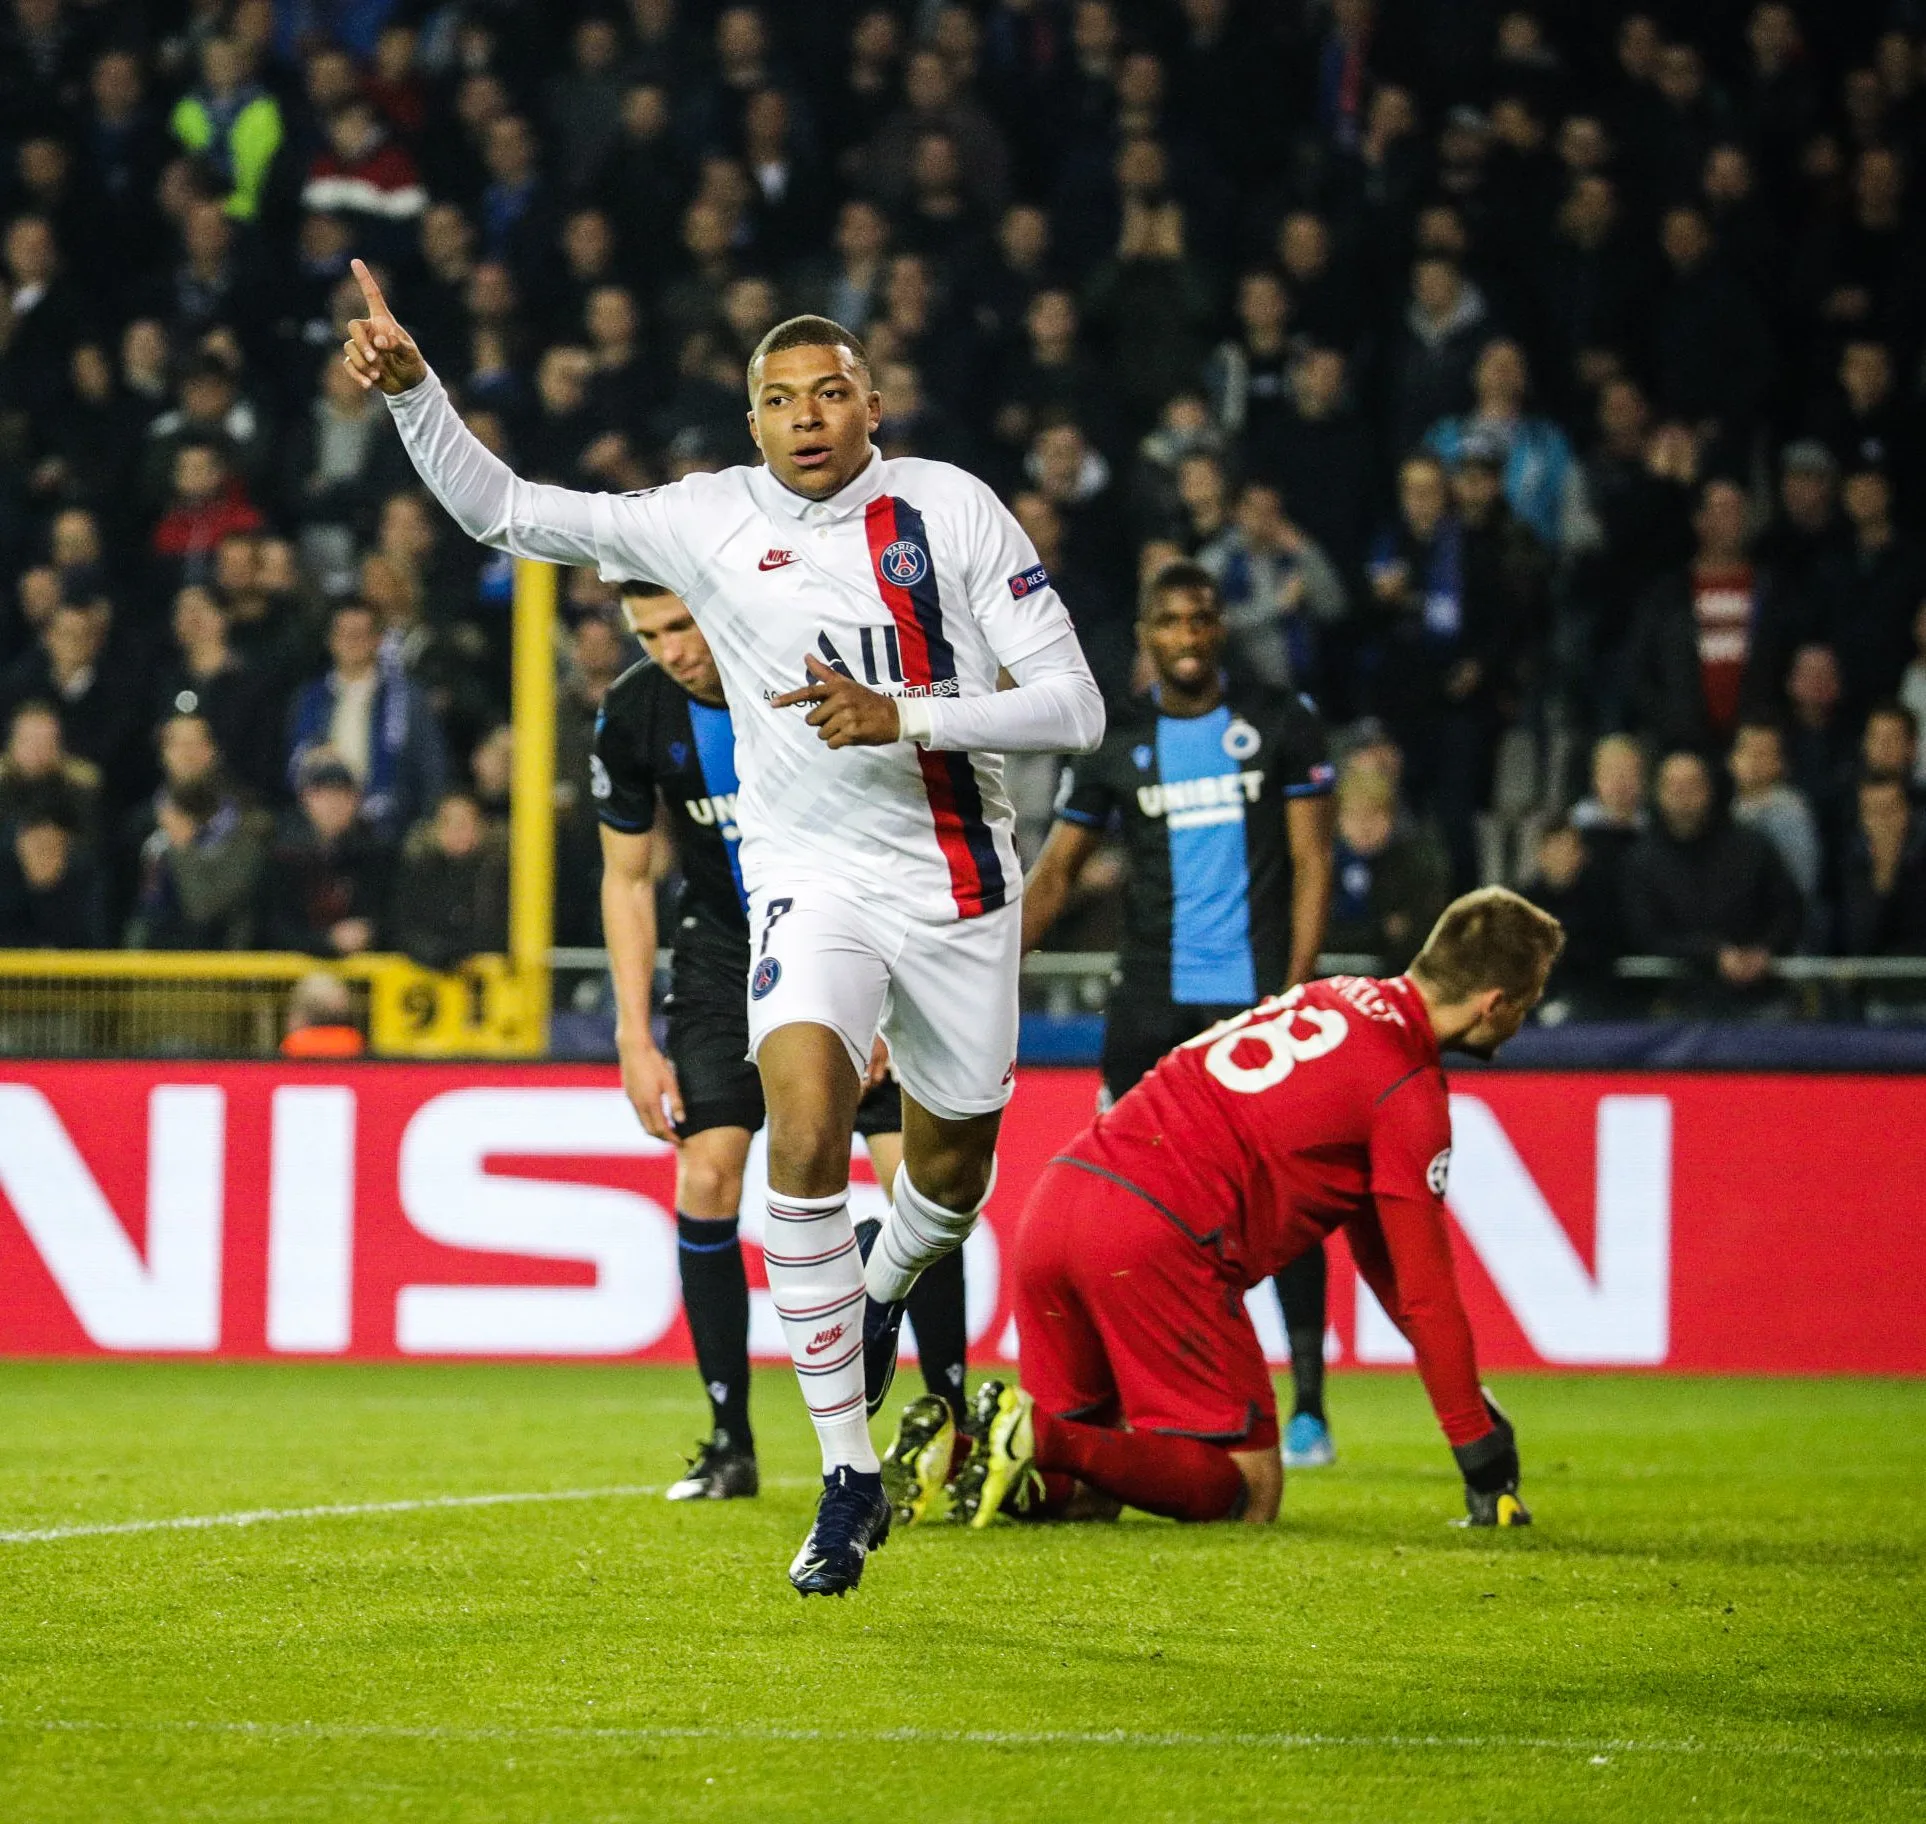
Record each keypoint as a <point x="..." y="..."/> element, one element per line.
<point x="1122" y="1319"/>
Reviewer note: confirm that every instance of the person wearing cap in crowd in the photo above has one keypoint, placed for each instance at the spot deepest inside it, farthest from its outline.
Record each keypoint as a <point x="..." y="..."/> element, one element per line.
<point x="1807" y="531"/>
<point x="327" y="884"/>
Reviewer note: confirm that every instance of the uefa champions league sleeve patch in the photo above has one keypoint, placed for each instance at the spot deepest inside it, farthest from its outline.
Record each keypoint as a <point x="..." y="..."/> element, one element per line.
<point x="1033" y="579"/>
<point x="1437" y="1174"/>
<point x="767" y="974"/>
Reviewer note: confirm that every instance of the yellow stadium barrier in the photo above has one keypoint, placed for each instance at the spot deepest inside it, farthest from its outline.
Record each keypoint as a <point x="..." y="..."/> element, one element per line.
<point x="233" y="1004"/>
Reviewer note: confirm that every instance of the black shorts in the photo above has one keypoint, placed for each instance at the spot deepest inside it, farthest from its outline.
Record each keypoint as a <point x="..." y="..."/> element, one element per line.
<point x="1141" y="1029"/>
<point x="708" y="1040"/>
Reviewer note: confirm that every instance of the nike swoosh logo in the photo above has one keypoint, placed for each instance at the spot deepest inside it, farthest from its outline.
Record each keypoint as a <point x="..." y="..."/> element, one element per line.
<point x="827" y="1342"/>
<point x="776" y="559"/>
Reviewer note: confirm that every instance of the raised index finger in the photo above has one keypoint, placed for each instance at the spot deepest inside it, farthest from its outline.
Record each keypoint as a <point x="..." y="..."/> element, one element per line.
<point x="370" y="291"/>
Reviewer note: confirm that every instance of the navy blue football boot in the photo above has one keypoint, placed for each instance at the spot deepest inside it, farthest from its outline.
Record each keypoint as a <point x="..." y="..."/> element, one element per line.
<point x="852" y="1520"/>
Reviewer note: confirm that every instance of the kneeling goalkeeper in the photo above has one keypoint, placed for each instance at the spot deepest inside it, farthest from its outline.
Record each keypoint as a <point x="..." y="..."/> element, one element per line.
<point x="1143" y="1383"/>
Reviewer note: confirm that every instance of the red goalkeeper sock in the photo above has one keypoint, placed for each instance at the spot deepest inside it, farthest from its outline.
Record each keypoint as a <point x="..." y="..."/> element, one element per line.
<point x="1181" y="1478"/>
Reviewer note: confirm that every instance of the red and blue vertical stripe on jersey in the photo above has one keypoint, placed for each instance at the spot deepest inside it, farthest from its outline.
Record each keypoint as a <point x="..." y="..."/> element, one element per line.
<point x="956" y="803"/>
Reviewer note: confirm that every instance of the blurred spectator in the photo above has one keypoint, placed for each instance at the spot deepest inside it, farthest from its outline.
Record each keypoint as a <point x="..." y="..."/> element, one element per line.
<point x="1249" y="375"/>
<point x="200" y="872"/>
<point x="368" y="178"/>
<point x="1706" y="639"/>
<point x="1388" y="885"/>
<point x="1806" y="536"/>
<point x="374" y="723"/>
<point x="1889" y="745"/>
<point x="1819" y="740"/>
<point x="1865" y="593"/>
<point x="49" y="889"/>
<point x="328" y="877"/>
<point x="1320" y="455"/>
<point x="585" y="104"/>
<point x="208" y="504"/>
<point x="1882" y="909"/>
<point x="1763" y="801"/>
<point x="1711" y="341"/>
<point x="205" y="677"/>
<point x="339" y="462"/>
<point x="1613" y="818"/>
<point x="73" y="669"/>
<point x="1864" y="420"/>
<point x="43" y="317"/>
<point x="1577" y="889"/>
<point x="1448" y="632"/>
<point x="451" y="890"/>
<point x="321" y="1022"/>
<point x="1278" y="587"/>
<point x="1711" y="892"/>
<point x="1149" y="301"/>
<point x="1912" y="687"/>
<point x="1432" y="362"/>
<point x="1542" y="481"/>
<point x="231" y="125"/>
<point x="40" y="781"/>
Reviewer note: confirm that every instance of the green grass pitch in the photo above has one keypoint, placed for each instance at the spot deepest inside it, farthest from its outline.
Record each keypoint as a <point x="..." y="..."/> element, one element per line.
<point x="1719" y="1615"/>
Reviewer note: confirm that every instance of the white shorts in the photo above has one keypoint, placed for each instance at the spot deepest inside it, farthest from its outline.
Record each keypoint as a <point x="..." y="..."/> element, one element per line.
<point x="943" y="996"/>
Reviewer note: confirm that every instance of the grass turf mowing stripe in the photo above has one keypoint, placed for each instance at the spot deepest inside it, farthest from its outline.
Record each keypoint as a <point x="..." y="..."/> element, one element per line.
<point x="992" y="1738"/>
<point x="348" y="1510"/>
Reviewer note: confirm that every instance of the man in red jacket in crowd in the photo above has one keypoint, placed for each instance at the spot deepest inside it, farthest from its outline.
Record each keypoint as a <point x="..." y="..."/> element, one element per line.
<point x="1323" y="1108"/>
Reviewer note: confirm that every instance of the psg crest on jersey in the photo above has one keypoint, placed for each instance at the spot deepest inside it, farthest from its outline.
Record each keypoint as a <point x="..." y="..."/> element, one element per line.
<point x="768" y="974"/>
<point x="905" y="563"/>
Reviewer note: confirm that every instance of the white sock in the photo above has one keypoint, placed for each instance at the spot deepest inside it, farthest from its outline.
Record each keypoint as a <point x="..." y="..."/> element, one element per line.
<point x="816" y="1284"/>
<point x="916" y="1234"/>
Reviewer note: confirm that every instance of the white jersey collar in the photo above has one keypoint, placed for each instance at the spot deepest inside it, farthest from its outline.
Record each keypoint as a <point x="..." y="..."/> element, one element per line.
<point x="851" y="499"/>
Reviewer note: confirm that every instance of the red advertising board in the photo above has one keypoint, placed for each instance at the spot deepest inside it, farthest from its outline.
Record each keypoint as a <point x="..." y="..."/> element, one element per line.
<point x="1701" y="1222"/>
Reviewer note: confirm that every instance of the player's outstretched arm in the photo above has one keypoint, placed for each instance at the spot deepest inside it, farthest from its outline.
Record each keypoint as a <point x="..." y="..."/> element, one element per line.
<point x="483" y="495"/>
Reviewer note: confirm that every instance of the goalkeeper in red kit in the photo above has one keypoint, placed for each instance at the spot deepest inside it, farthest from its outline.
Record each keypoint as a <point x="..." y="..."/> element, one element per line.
<point x="1143" y="1383"/>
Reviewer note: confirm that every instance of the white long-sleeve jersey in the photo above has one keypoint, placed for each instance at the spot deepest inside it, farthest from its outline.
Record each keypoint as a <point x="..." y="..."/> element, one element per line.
<point x="914" y="579"/>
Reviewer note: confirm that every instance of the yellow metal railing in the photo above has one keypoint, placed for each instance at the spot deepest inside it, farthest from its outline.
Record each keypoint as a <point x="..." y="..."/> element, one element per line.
<point x="233" y="1004"/>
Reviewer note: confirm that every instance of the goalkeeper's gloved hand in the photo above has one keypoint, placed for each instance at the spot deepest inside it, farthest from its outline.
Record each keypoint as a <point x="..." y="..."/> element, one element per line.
<point x="1489" y="1466"/>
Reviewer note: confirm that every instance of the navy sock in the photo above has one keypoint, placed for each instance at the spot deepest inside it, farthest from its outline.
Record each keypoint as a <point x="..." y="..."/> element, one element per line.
<point x="715" y="1295"/>
<point x="936" y="1315"/>
<point x="1300" y="1290"/>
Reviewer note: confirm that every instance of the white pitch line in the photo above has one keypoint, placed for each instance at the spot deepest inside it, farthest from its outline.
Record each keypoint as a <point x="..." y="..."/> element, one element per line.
<point x="1598" y="1751"/>
<point x="345" y="1510"/>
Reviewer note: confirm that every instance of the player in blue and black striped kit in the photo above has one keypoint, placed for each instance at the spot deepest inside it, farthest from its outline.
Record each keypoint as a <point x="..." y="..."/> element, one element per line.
<point x="1222" y="795"/>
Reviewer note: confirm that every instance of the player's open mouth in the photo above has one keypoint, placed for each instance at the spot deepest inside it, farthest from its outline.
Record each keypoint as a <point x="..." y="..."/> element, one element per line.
<point x="812" y="455"/>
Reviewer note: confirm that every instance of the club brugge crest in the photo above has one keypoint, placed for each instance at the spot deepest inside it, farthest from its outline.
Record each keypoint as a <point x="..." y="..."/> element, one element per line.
<point x="905" y="563"/>
<point x="768" y="974"/>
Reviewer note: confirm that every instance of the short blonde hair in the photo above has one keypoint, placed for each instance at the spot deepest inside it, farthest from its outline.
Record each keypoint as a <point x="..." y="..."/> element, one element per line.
<point x="1493" y="938"/>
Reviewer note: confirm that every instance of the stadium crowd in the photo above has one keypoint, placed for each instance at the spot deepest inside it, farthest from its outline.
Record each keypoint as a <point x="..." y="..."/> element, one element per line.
<point x="1541" y="382"/>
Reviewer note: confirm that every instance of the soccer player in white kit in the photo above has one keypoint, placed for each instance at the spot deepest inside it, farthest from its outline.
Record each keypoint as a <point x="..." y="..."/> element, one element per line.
<point x="860" y="611"/>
